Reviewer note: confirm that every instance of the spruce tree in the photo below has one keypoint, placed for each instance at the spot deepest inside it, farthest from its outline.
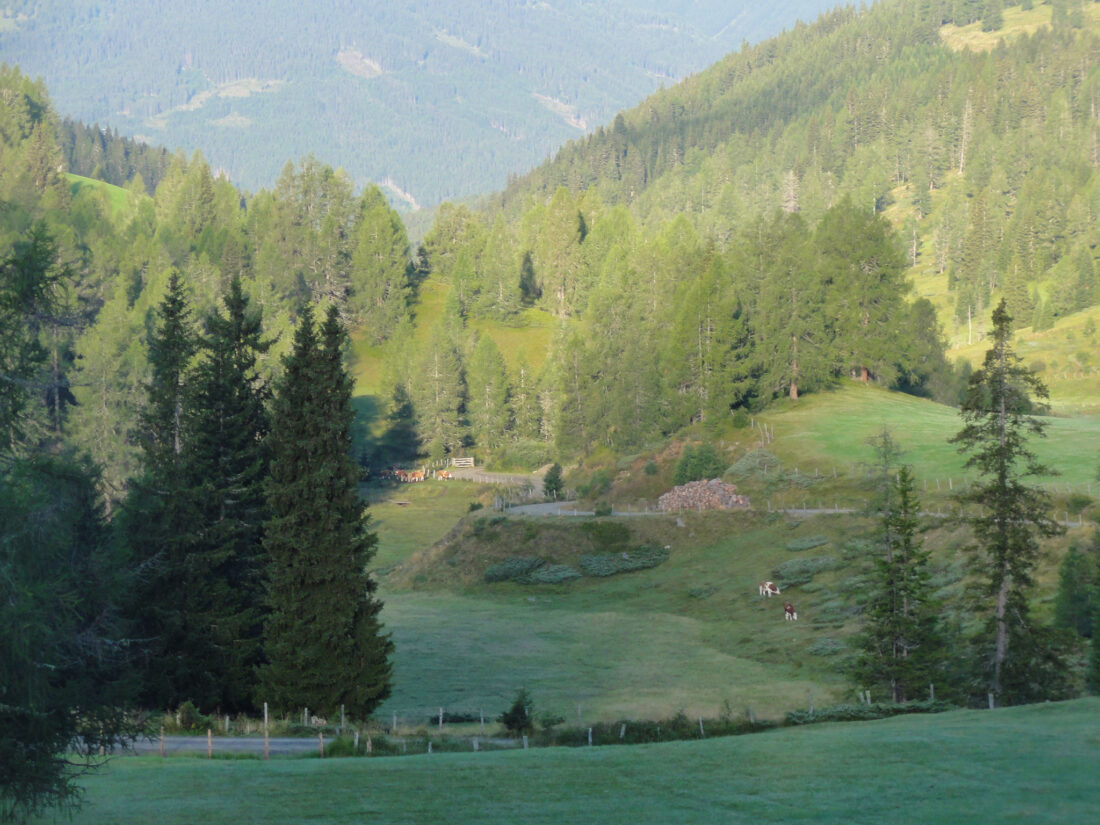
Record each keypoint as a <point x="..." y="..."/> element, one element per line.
<point x="900" y="642"/>
<point x="226" y="465"/>
<point x="156" y="522"/>
<point x="323" y="637"/>
<point x="1009" y="517"/>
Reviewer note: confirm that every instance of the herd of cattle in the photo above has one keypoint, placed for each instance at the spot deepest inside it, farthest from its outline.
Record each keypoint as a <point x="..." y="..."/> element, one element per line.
<point x="411" y="476"/>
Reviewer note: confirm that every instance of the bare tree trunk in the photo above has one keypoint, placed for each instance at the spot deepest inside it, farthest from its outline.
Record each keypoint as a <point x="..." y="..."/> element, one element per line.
<point x="1001" y="651"/>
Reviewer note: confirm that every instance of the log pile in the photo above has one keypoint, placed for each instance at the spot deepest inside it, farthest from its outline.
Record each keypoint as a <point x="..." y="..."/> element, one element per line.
<point x="702" y="495"/>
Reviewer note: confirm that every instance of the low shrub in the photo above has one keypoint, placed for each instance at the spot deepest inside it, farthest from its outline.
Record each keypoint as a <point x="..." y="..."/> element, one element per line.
<point x="698" y="463"/>
<point x="513" y="569"/>
<point x="602" y="509"/>
<point x="549" y="574"/>
<point x="856" y="713"/>
<point x="827" y="646"/>
<point x="455" y="718"/>
<point x="801" y="571"/>
<point x="758" y="462"/>
<point x="611" y="564"/>
<point x="651" y="468"/>
<point x="807" y="543"/>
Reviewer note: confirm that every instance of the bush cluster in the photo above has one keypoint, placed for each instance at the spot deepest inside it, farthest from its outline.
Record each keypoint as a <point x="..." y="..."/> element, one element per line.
<point x="550" y="574"/>
<point x="801" y="571"/>
<point x="856" y="713"/>
<point x="697" y="464"/>
<point x="807" y="543"/>
<point x="533" y="570"/>
<point x="610" y="564"/>
<point x="512" y="569"/>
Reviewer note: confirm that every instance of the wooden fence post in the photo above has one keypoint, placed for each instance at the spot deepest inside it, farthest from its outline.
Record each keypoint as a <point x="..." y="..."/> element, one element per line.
<point x="590" y="736"/>
<point x="209" y="743"/>
<point x="991" y="701"/>
<point x="441" y="719"/>
<point x="525" y="741"/>
<point x="752" y="716"/>
<point x="321" y="743"/>
<point x="162" y="741"/>
<point x="701" y="731"/>
<point x="475" y="744"/>
<point x="267" y="742"/>
<point x="622" y="731"/>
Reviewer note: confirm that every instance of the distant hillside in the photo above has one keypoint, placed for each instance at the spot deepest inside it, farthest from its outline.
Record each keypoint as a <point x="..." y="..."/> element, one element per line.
<point x="433" y="100"/>
<point x="980" y="146"/>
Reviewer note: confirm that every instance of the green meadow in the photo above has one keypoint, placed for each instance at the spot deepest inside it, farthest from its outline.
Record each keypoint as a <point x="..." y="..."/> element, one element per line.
<point x="1027" y="764"/>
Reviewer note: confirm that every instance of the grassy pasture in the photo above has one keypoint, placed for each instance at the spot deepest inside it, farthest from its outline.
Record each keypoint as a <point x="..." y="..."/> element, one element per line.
<point x="1017" y="22"/>
<point x="831" y="429"/>
<point x="117" y="197"/>
<point x="1028" y="764"/>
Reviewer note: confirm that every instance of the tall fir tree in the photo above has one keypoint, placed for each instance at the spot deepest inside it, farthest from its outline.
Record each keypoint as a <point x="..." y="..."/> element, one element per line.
<point x="157" y="520"/>
<point x="900" y="644"/>
<point x="1020" y="663"/>
<point x="227" y="464"/>
<point x="323" y="637"/>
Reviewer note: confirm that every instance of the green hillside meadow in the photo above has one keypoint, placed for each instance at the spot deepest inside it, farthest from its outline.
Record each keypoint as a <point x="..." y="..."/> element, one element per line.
<point x="1028" y="764"/>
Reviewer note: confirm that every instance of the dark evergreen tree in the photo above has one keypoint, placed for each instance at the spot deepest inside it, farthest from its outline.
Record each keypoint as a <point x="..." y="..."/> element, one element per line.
<point x="900" y="644"/>
<point x="63" y="674"/>
<point x="226" y="459"/>
<point x="30" y="284"/>
<point x="323" y="637"/>
<point x="1092" y="670"/>
<point x="520" y="717"/>
<point x="1078" y="599"/>
<point x="157" y="520"/>
<point x="552" y="482"/>
<point x="1009" y="518"/>
<point x="64" y="680"/>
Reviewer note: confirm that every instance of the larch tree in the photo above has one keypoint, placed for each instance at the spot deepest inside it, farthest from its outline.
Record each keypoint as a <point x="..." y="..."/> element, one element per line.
<point x="323" y="636"/>
<point x="380" y="268"/>
<point x="487" y="404"/>
<point x="1009" y="517"/>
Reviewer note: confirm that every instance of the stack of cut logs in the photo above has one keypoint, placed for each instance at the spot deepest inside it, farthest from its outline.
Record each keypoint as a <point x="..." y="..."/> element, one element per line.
<point x="702" y="495"/>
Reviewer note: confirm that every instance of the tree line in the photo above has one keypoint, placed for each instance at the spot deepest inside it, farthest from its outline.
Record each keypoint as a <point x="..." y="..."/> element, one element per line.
<point x="226" y="562"/>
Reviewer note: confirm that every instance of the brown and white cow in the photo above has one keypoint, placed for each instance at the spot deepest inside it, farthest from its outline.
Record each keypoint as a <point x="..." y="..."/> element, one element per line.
<point x="768" y="589"/>
<point x="789" y="613"/>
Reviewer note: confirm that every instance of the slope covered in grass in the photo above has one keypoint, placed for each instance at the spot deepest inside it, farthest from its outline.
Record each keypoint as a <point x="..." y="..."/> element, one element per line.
<point x="1029" y="764"/>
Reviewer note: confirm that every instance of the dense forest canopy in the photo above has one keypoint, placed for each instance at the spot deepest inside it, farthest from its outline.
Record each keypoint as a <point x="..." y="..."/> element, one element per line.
<point x="751" y="233"/>
<point x="382" y="90"/>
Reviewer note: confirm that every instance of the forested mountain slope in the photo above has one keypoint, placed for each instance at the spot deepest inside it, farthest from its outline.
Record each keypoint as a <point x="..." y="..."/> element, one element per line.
<point x="982" y="147"/>
<point x="384" y="90"/>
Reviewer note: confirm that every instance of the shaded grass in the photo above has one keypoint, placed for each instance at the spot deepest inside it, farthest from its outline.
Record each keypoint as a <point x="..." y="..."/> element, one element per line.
<point x="432" y="509"/>
<point x="1030" y="764"/>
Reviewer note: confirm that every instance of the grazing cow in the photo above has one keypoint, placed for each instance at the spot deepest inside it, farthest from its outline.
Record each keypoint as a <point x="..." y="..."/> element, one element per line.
<point x="789" y="613"/>
<point x="415" y="475"/>
<point x="444" y="475"/>
<point x="401" y="475"/>
<point x="768" y="588"/>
